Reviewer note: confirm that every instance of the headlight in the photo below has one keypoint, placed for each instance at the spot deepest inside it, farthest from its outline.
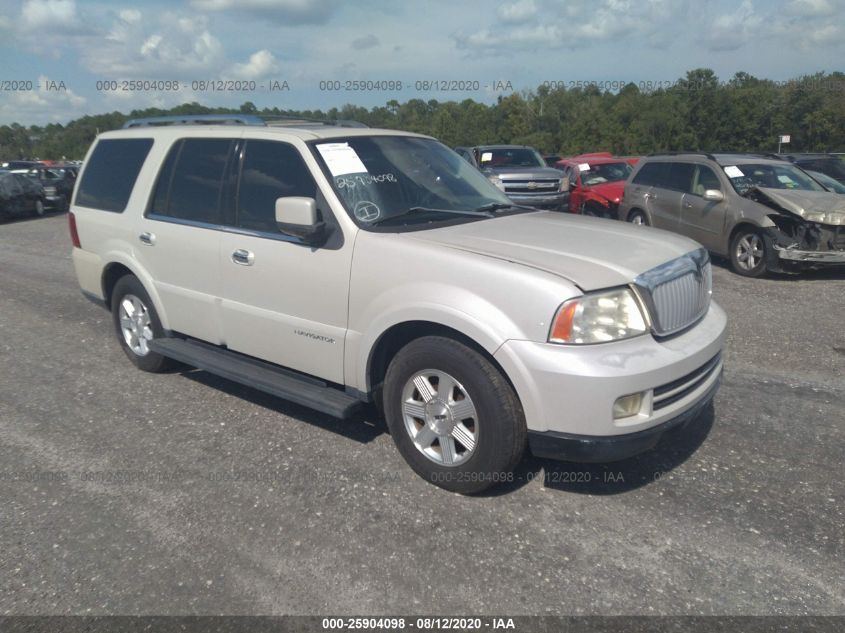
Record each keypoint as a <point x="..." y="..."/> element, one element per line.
<point x="563" y="185"/>
<point x="497" y="181"/>
<point x="598" y="318"/>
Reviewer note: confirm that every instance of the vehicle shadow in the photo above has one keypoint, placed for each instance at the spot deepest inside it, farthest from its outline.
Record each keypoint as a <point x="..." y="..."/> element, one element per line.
<point x="363" y="427"/>
<point x="674" y="448"/>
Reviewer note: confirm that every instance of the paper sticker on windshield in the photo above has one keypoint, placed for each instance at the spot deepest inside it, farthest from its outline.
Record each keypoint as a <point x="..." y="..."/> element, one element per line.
<point x="341" y="159"/>
<point x="733" y="171"/>
<point x="584" y="166"/>
<point x="486" y="157"/>
<point x="786" y="179"/>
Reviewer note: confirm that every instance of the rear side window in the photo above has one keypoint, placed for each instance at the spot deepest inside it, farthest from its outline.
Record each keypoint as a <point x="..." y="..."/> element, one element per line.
<point x="679" y="177"/>
<point x="650" y="174"/>
<point x="190" y="183"/>
<point x="270" y="170"/>
<point x="111" y="172"/>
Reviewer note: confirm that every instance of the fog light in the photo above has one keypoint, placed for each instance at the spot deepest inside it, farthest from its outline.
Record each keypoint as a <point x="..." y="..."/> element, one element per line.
<point x="626" y="406"/>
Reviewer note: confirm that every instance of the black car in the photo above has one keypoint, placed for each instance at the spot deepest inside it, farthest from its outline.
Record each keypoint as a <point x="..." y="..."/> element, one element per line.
<point x="830" y="164"/>
<point x="20" y="196"/>
<point x="58" y="183"/>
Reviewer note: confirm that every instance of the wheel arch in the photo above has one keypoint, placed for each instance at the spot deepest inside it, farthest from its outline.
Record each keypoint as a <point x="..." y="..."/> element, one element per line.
<point x="118" y="267"/>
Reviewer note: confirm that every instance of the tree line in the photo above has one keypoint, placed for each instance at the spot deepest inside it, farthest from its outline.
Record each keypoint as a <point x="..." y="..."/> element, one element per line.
<point x="697" y="112"/>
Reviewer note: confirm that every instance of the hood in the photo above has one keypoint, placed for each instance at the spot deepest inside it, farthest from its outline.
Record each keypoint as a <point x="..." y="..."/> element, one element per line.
<point x="505" y="172"/>
<point x="610" y="190"/>
<point x="823" y="207"/>
<point x="593" y="253"/>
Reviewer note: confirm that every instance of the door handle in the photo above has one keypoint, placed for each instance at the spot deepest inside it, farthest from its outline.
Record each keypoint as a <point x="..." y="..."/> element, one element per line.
<point x="147" y="238"/>
<point x="243" y="257"/>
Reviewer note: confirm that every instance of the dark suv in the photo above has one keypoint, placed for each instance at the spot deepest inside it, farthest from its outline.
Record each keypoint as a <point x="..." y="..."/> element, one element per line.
<point x="521" y="173"/>
<point x="763" y="213"/>
<point x="832" y="165"/>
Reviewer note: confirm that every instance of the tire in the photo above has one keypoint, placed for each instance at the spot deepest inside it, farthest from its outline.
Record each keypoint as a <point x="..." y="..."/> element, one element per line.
<point x="483" y="445"/>
<point x="63" y="204"/>
<point x="748" y="252"/>
<point x="128" y="299"/>
<point x="639" y="218"/>
<point x="39" y="207"/>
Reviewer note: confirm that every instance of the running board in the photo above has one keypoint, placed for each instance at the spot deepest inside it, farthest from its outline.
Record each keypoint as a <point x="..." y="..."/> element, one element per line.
<point x="298" y="388"/>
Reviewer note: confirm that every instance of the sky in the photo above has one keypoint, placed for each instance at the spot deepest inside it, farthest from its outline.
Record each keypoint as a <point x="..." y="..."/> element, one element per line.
<point x="65" y="58"/>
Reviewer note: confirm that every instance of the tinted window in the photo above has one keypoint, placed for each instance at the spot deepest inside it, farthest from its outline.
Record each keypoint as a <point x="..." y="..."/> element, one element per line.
<point x="650" y="174"/>
<point x="270" y="170"/>
<point x="678" y="177"/>
<point x="111" y="173"/>
<point x="196" y="183"/>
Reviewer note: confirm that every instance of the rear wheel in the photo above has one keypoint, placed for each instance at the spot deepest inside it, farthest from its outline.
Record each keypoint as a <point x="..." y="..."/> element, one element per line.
<point x="453" y="416"/>
<point x="39" y="207"/>
<point x="638" y="217"/>
<point x="136" y="324"/>
<point x="748" y="252"/>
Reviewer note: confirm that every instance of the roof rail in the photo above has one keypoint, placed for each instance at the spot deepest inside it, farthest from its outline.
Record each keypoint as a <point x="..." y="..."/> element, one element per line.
<point x="705" y="154"/>
<point x="196" y="119"/>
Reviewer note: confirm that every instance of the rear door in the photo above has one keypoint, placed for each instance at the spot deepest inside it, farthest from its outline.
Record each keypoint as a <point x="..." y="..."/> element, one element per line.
<point x="282" y="300"/>
<point x="664" y="200"/>
<point x="704" y="220"/>
<point x="179" y="236"/>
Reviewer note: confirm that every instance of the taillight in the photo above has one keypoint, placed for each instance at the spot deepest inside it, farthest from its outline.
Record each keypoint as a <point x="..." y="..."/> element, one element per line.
<point x="74" y="234"/>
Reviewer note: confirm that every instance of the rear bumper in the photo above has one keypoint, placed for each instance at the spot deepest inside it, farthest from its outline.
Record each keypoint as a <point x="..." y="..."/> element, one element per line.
<point x="602" y="449"/>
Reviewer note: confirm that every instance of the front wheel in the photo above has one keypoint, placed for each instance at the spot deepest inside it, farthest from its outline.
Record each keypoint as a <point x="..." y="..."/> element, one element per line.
<point x="453" y="416"/>
<point x="39" y="207"/>
<point x="748" y="253"/>
<point x="136" y="324"/>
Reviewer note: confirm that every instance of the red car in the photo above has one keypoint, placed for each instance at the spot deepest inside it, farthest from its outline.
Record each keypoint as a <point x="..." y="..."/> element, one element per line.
<point x="596" y="182"/>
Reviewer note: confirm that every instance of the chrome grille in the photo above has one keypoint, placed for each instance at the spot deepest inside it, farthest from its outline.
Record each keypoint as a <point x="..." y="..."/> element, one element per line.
<point x="677" y="293"/>
<point x="542" y="186"/>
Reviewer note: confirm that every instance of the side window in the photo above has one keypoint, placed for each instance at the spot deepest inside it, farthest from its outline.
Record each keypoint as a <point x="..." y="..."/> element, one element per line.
<point x="270" y="170"/>
<point x="191" y="181"/>
<point x="704" y="179"/>
<point x="649" y="174"/>
<point x="679" y="177"/>
<point x="111" y="173"/>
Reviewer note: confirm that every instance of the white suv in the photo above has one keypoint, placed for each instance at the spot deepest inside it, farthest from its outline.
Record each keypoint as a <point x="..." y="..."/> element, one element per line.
<point x="334" y="266"/>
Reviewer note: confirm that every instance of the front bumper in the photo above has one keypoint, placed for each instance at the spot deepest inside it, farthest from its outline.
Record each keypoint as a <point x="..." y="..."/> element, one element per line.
<point x="810" y="257"/>
<point x="571" y="389"/>
<point x="555" y="202"/>
<point x="613" y="448"/>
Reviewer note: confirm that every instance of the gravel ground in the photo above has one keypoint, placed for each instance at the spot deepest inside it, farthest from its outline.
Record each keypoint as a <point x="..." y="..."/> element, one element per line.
<point x="132" y="493"/>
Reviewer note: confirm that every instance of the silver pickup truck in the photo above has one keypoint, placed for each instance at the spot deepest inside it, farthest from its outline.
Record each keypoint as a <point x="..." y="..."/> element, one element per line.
<point x="339" y="266"/>
<point x="521" y="173"/>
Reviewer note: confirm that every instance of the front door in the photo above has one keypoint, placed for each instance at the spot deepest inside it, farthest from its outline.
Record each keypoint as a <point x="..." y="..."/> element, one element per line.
<point x="281" y="300"/>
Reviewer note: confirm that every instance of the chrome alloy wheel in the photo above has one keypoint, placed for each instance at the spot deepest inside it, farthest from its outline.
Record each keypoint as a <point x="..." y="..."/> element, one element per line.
<point x="638" y="219"/>
<point x="135" y="324"/>
<point x="749" y="251"/>
<point x="440" y="417"/>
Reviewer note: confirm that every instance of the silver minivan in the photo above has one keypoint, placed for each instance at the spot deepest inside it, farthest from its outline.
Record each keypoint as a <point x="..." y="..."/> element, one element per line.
<point x="761" y="212"/>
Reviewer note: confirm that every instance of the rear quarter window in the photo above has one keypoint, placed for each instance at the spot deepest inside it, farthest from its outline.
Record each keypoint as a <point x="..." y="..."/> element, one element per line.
<point x="111" y="172"/>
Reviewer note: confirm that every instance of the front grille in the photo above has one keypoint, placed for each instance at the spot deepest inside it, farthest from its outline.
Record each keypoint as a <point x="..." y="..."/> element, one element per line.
<point x="539" y="186"/>
<point x="678" y="292"/>
<point x="671" y="392"/>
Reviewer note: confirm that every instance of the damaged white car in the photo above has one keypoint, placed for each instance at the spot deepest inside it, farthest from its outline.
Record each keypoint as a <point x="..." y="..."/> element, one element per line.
<point x="762" y="213"/>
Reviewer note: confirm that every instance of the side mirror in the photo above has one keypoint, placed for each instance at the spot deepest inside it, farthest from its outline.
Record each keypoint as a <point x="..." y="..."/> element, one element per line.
<point x="713" y="195"/>
<point x="297" y="217"/>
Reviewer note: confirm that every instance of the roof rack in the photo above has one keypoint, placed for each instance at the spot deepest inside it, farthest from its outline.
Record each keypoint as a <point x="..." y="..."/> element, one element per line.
<point x="237" y="119"/>
<point x="706" y="154"/>
<point x="196" y="119"/>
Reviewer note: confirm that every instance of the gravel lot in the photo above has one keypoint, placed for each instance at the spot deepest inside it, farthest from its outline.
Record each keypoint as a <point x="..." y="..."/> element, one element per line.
<point x="131" y="493"/>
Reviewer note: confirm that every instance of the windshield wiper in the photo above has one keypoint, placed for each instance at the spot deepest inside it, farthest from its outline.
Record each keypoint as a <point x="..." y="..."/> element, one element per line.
<point x="499" y="206"/>
<point x="477" y="213"/>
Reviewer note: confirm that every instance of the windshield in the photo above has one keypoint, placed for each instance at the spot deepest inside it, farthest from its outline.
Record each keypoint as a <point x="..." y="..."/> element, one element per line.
<point x="382" y="177"/>
<point x="510" y="157"/>
<point x="826" y="181"/>
<point x="606" y="172"/>
<point x="771" y="175"/>
<point x="833" y="166"/>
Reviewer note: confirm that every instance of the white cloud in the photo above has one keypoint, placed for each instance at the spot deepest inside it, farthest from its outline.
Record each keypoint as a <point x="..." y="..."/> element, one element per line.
<point x="285" y="12"/>
<point x="46" y="103"/>
<point x="41" y="14"/>
<point x="261" y="64"/>
<point x="518" y="11"/>
<point x="813" y="7"/>
<point x="365" y="42"/>
<point x="731" y="31"/>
